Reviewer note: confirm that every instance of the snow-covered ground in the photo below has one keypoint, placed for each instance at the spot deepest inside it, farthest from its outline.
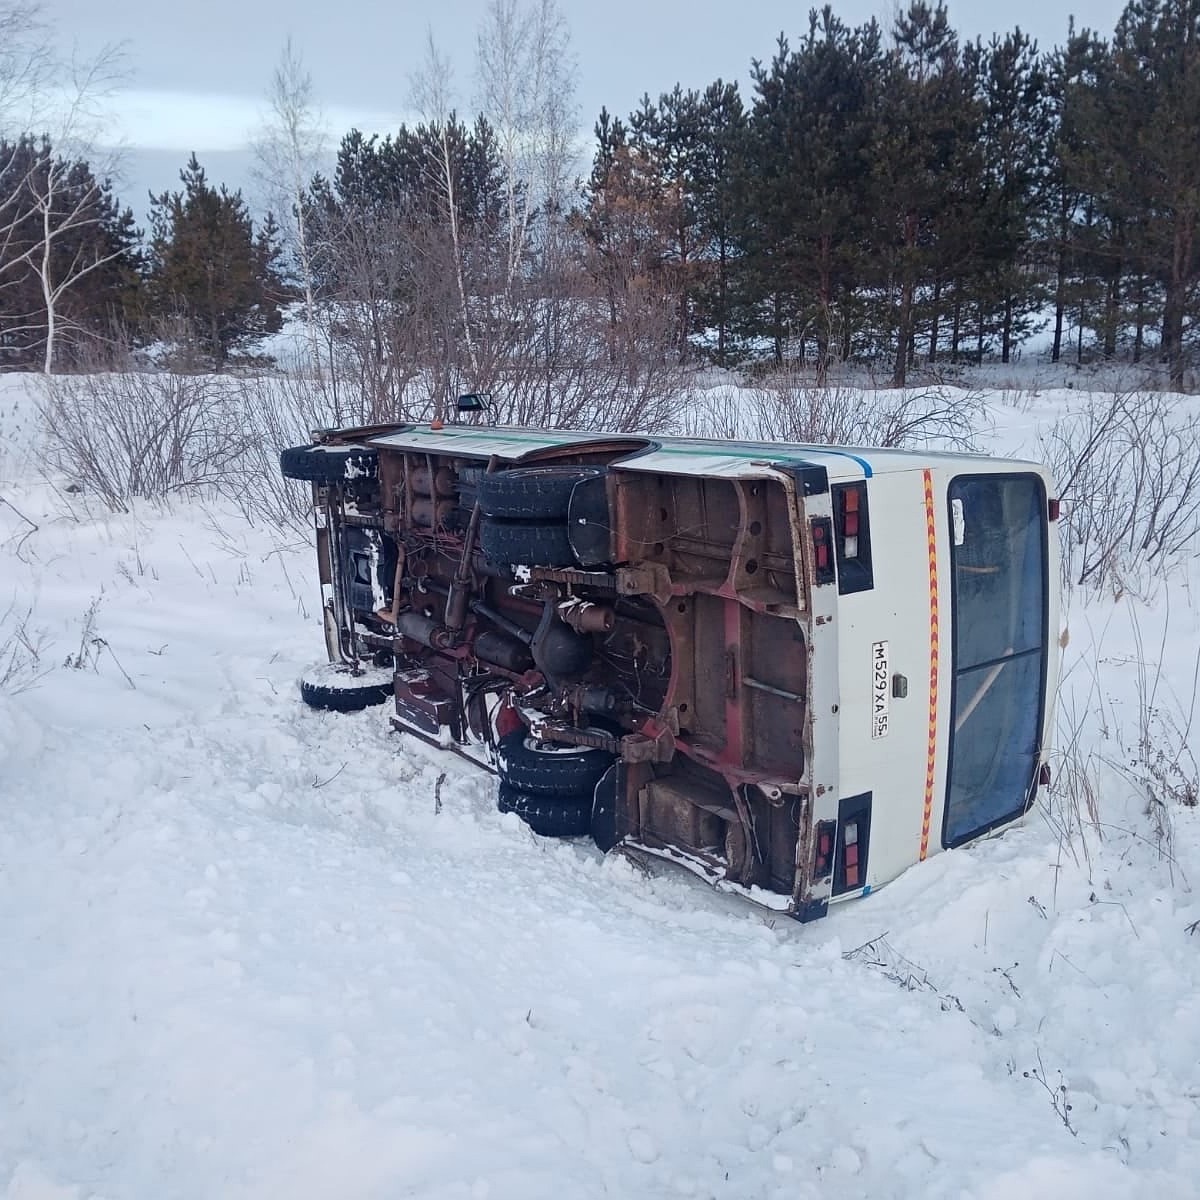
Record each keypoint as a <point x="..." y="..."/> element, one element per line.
<point x="252" y="950"/>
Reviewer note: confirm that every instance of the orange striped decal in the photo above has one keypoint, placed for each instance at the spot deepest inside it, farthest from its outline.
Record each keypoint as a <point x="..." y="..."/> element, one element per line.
<point x="931" y="744"/>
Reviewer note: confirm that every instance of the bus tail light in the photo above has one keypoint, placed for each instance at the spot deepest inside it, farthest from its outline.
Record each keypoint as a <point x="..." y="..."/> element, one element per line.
<point x="853" y="843"/>
<point x="823" y="855"/>
<point x="849" y="531"/>
<point x="850" y="853"/>
<point x="822" y="543"/>
<point x="852" y="537"/>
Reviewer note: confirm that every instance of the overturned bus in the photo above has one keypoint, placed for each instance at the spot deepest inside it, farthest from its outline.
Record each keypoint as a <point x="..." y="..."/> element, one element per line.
<point x="796" y="670"/>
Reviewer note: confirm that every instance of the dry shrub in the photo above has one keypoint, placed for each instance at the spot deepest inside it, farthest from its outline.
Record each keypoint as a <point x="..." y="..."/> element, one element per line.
<point x="931" y="417"/>
<point x="1102" y="746"/>
<point x="789" y="409"/>
<point x="1128" y="475"/>
<point x="1071" y="803"/>
<point x="133" y="435"/>
<point x="281" y="411"/>
<point x="1155" y="756"/>
<point x="149" y="434"/>
<point x="563" y="365"/>
<point x="545" y="363"/>
<point x="719" y="412"/>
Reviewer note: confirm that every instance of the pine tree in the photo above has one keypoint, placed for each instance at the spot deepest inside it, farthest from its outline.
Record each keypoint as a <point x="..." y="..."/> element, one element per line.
<point x="807" y="195"/>
<point x="1154" y="111"/>
<point x="209" y="264"/>
<point x="629" y="225"/>
<point x="1074" y="71"/>
<point x="1016" y="138"/>
<point x="407" y="171"/>
<point x="718" y="172"/>
<point x="1106" y="230"/>
<point x="928" y="169"/>
<point x="667" y="137"/>
<point x="1134" y="106"/>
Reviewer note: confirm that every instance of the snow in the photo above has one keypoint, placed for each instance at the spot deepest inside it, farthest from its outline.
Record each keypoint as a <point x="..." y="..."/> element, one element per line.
<point x="338" y="677"/>
<point x="254" y="950"/>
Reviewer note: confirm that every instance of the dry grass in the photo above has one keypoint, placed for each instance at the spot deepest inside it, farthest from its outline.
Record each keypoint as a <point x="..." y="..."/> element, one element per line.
<point x="23" y="650"/>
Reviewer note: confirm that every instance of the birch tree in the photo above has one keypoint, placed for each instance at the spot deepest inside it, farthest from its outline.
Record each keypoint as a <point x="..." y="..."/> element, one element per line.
<point x="71" y="237"/>
<point x="431" y="94"/>
<point x="288" y="152"/>
<point x="526" y="78"/>
<point x="68" y="207"/>
<point x="26" y="67"/>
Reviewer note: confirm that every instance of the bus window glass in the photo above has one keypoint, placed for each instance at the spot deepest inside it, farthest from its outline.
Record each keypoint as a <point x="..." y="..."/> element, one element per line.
<point x="998" y="559"/>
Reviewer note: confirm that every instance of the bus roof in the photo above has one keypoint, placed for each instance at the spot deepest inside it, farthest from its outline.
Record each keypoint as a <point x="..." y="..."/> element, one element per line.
<point x="665" y="454"/>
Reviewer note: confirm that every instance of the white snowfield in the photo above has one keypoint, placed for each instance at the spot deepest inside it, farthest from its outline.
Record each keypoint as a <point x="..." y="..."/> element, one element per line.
<point x="252" y="950"/>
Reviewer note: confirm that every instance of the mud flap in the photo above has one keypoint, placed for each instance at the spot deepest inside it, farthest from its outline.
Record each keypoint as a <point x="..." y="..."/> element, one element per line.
<point x="605" y="833"/>
<point x="811" y="910"/>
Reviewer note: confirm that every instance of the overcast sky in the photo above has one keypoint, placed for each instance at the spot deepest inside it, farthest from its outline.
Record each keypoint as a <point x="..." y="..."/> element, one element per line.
<point x="197" y="71"/>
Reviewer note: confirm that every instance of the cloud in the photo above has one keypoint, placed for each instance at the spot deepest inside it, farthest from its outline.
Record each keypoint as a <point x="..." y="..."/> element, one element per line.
<point x="177" y="120"/>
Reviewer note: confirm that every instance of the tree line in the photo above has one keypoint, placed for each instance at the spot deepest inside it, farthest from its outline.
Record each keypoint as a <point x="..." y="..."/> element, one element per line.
<point x="77" y="274"/>
<point x="915" y="198"/>
<point x="903" y="197"/>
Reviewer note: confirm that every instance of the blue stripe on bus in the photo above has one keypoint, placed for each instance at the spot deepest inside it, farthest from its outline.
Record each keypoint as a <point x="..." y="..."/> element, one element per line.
<point x="862" y="462"/>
